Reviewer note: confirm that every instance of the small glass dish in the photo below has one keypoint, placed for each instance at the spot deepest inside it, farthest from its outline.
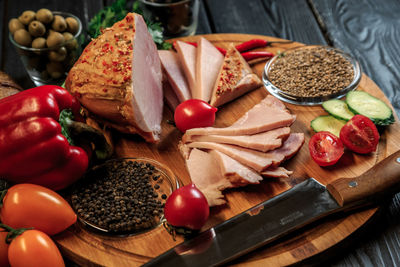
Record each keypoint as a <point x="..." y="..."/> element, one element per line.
<point x="107" y="204"/>
<point x="298" y="99"/>
<point x="41" y="66"/>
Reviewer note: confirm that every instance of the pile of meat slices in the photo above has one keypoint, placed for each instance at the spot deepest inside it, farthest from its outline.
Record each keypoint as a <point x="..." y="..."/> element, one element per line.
<point x="251" y="148"/>
<point x="202" y="72"/>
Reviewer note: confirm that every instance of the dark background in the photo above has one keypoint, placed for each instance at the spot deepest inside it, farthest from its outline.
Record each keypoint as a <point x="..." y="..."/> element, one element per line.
<point x="367" y="29"/>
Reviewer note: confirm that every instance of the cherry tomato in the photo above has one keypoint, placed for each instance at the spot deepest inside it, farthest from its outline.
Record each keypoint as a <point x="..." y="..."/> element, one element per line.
<point x="360" y="135"/>
<point x="3" y="249"/>
<point x="325" y="148"/>
<point x="194" y="113"/>
<point x="34" y="248"/>
<point x="187" y="207"/>
<point x="28" y="205"/>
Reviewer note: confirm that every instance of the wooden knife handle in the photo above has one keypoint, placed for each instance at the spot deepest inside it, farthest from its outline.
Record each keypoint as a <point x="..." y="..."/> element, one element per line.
<point x="380" y="180"/>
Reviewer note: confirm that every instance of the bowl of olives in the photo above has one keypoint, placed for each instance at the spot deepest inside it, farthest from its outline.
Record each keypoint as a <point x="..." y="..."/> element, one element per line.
<point x="47" y="42"/>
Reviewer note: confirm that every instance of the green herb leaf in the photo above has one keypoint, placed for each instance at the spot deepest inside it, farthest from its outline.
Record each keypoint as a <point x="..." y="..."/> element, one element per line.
<point x="65" y="118"/>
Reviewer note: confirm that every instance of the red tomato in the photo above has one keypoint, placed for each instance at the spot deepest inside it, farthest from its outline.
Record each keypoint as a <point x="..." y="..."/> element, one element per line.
<point x="325" y="148"/>
<point x="34" y="248"/>
<point x="187" y="207"/>
<point x="3" y="249"/>
<point x="28" y="205"/>
<point x="360" y="135"/>
<point x="194" y="113"/>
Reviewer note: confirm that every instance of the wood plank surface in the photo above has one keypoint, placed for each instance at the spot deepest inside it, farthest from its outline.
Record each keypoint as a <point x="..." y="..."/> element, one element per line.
<point x="86" y="247"/>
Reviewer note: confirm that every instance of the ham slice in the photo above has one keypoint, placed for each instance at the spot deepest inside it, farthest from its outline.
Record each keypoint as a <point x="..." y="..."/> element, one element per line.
<point x="210" y="182"/>
<point x="278" y="172"/>
<point x="187" y="56"/>
<point x="208" y="63"/>
<point x="235" y="78"/>
<point x="269" y="114"/>
<point x="174" y="72"/>
<point x="235" y="172"/>
<point x="256" y="160"/>
<point x="170" y="96"/>
<point x="118" y="79"/>
<point x="264" y="141"/>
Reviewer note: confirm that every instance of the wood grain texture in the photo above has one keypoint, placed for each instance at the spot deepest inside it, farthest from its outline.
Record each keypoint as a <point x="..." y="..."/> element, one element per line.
<point x="85" y="247"/>
<point x="292" y="20"/>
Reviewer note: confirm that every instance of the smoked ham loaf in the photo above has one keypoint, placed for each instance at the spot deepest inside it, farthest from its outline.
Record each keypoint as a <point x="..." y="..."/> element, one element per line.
<point x="118" y="79"/>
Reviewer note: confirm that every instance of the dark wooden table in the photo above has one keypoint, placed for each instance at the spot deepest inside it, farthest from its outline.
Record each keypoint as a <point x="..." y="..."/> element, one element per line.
<point x="367" y="29"/>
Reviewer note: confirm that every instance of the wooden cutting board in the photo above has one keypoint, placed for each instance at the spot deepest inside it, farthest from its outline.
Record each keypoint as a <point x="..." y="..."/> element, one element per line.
<point x="88" y="248"/>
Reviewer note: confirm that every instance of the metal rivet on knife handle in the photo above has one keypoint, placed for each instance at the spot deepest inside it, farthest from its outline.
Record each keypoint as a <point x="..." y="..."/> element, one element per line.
<point x="353" y="184"/>
<point x="381" y="180"/>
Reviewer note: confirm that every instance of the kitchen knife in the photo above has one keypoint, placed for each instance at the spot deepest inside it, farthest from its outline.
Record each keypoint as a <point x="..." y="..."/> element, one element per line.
<point x="278" y="216"/>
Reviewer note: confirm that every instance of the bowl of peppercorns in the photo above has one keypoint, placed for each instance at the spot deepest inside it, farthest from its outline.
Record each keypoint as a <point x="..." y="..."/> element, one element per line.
<point x="311" y="74"/>
<point x="123" y="196"/>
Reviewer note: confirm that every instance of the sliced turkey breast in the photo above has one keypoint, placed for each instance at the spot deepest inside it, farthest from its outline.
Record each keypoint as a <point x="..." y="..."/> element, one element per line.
<point x="118" y="79"/>
<point x="174" y="72"/>
<point x="256" y="160"/>
<point x="208" y="63"/>
<point x="264" y="141"/>
<point x="269" y="114"/>
<point x="278" y="172"/>
<point x="187" y="57"/>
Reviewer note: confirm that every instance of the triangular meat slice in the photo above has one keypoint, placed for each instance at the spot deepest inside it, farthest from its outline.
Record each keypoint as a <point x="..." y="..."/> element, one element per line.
<point x="278" y="172"/>
<point x="264" y="141"/>
<point x="256" y="160"/>
<point x="235" y="172"/>
<point x="187" y="57"/>
<point x="170" y="96"/>
<point x="235" y="78"/>
<point x="269" y="114"/>
<point x="174" y="72"/>
<point x="210" y="182"/>
<point x="208" y="63"/>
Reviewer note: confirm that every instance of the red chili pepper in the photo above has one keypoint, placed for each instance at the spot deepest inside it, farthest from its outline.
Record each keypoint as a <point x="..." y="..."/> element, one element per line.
<point x="32" y="146"/>
<point x="258" y="54"/>
<point x="256" y="43"/>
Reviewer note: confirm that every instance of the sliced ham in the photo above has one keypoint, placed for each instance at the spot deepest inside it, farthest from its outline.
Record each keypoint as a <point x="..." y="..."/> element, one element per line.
<point x="208" y="63"/>
<point x="235" y="78"/>
<point x="210" y="182"/>
<point x="264" y="141"/>
<point x="278" y="172"/>
<point x="187" y="57"/>
<point x="174" y="72"/>
<point x="118" y="79"/>
<point x="256" y="160"/>
<point x="170" y="96"/>
<point x="269" y="114"/>
<point x="235" y="172"/>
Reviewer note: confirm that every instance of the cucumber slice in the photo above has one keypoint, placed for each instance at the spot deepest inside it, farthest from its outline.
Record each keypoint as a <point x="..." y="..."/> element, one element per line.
<point x="360" y="102"/>
<point x="338" y="109"/>
<point x="327" y="123"/>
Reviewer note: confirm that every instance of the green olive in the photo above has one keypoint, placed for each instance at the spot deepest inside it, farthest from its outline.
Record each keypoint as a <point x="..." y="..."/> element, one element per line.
<point x="23" y="37"/>
<point x="44" y="15"/>
<point x="15" y="25"/>
<point x="54" y="39"/>
<point x="39" y="42"/>
<point x="70" y="41"/>
<point x="36" y="28"/>
<point x="72" y="25"/>
<point x="26" y="17"/>
<point x="58" y="55"/>
<point x="59" y="24"/>
<point x="55" y="69"/>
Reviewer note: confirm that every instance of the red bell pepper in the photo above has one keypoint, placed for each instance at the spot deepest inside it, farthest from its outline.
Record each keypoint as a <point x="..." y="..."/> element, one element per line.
<point x="32" y="147"/>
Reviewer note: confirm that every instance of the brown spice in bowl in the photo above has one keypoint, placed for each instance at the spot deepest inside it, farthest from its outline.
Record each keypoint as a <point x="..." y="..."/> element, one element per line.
<point x="311" y="72"/>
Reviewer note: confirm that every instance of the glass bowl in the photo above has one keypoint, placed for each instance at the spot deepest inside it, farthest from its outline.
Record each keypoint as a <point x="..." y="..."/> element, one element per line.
<point x="37" y="61"/>
<point x="288" y="96"/>
<point x="111" y="198"/>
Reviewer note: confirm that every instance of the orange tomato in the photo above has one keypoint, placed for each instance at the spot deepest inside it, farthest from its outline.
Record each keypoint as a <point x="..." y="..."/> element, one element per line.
<point x="3" y="250"/>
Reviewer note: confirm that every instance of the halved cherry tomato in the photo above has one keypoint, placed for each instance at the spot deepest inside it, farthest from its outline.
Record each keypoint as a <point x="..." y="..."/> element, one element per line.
<point x="3" y="249"/>
<point x="360" y="135"/>
<point x="34" y="248"/>
<point x="28" y="205"/>
<point x="325" y="148"/>
<point x="194" y="113"/>
<point x="187" y="207"/>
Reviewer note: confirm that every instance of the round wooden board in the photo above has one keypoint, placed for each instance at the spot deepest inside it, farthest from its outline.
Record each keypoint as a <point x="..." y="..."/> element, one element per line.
<point x="87" y="248"/>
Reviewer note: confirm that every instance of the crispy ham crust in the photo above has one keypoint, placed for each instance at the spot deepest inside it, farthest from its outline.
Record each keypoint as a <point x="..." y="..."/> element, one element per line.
<point x="118" y="83"/>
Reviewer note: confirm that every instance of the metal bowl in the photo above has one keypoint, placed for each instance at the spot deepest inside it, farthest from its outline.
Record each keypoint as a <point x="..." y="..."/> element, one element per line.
<point x="286" y="96"/>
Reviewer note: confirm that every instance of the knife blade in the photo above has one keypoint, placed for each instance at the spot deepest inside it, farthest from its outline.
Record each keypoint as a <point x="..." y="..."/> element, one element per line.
<point x="283" y="214"/>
